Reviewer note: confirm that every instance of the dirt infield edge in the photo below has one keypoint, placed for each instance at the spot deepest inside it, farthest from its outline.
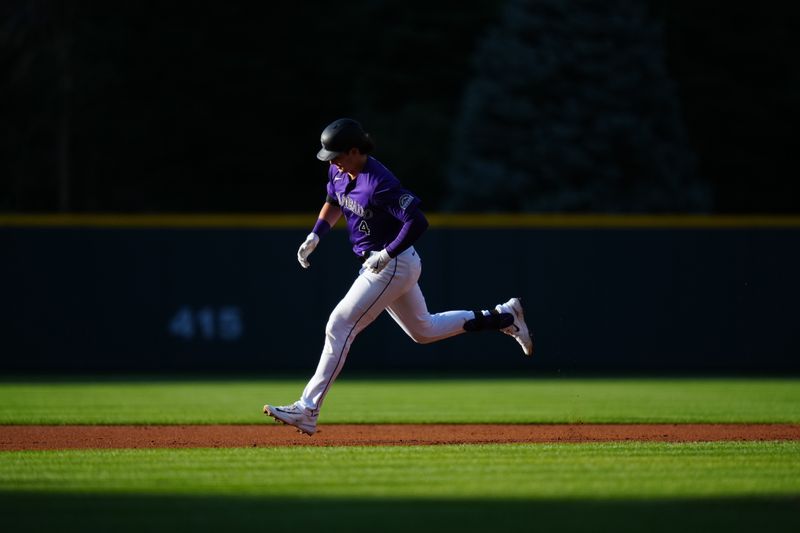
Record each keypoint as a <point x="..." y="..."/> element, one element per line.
<point x="32" y="437"/>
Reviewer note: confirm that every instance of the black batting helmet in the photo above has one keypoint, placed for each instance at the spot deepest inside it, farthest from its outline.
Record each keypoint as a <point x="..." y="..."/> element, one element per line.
<point x="340" y="136"/>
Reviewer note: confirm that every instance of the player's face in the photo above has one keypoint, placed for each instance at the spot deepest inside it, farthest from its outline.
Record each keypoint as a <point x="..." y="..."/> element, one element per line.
<point x="351" y="162"/>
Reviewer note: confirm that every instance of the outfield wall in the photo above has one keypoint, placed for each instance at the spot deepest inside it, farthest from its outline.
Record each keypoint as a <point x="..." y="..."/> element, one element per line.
<point x="226" y="294"/>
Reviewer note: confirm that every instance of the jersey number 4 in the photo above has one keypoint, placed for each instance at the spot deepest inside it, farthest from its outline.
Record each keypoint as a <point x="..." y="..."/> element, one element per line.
<point x="363" y="227"/>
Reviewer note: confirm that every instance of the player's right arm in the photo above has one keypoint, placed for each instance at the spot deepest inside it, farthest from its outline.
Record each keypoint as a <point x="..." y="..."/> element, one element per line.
<point x="330" y="213"/>
<point x="328" y="216"/>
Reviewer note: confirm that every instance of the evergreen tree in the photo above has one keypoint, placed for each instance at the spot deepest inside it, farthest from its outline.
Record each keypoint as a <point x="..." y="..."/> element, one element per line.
<point x="571" y="109"/>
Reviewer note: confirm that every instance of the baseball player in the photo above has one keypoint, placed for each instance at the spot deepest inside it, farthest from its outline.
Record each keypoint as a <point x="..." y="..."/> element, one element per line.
<point x="384" y="221"/>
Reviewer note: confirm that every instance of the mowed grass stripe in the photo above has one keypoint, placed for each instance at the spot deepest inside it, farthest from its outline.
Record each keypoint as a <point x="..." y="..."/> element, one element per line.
<point x="407" y="401"/>
<point x="586" y="471"/>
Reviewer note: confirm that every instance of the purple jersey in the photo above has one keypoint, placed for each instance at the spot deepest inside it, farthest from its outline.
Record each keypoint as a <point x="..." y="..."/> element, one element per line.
<point x="375" y="205"/>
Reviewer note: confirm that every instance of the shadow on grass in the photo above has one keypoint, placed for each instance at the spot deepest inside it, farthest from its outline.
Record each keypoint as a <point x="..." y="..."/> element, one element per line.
<point x="119" y="513"/>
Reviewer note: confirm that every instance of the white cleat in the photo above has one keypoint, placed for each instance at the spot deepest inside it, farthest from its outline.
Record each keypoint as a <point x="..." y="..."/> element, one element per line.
<point x="305" y="420"/>
<point x="519" y="329"/>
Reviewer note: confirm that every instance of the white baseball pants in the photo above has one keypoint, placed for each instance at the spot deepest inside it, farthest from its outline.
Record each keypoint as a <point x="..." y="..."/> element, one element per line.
<point x="394" y="289"/>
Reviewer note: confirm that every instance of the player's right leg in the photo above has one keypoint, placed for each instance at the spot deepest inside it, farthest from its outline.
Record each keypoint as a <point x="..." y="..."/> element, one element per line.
<point x="305" y="420"/>
<point x="369" y="295"/>
<point x="366" y="299"/>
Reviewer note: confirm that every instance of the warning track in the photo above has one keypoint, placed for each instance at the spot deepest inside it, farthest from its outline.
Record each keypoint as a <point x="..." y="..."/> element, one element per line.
<point x="233" y="436"/>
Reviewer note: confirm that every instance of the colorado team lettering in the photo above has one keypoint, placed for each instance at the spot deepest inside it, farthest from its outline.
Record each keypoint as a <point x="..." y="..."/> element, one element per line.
<point x="352" y="205"/>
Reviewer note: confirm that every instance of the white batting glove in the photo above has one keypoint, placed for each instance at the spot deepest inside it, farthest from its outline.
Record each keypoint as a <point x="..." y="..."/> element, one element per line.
<point x="306" y="248"/>
<point x="377" y="261"/>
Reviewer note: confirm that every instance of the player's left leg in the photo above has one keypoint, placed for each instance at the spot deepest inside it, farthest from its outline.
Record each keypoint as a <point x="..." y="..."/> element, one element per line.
<point x="411" y="313"/>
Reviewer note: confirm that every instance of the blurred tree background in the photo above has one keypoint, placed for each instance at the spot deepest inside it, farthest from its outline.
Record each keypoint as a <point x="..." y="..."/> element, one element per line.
<point x="572" y="109"/>
<point x="504" y="105"/>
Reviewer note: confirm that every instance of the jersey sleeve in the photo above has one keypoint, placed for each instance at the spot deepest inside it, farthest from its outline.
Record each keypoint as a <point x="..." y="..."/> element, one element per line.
<point x="396" y="200"/>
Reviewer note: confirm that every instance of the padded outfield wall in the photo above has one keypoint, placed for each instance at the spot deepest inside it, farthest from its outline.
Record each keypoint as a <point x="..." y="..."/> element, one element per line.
<point x="225" y="293"/>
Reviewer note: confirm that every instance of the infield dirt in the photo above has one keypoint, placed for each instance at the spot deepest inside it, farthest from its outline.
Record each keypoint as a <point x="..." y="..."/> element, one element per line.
<point x="225" y="436"/>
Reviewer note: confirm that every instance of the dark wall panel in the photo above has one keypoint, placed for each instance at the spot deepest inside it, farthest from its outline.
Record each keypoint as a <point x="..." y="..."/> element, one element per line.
<point x="236" y="300"/>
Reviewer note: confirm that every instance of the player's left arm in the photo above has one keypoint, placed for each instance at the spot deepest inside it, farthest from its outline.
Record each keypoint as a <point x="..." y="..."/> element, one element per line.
<point x="414" y="225"/>
<point x="405" y="207"/>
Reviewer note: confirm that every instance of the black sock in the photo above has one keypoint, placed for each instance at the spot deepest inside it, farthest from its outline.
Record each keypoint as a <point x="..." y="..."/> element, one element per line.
<point x="493" y="321"/>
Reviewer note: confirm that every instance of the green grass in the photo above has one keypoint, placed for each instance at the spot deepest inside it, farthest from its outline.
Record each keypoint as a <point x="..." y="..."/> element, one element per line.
<point x="619" y="470"/>
<point x="709" y="487"/>
<point x="406" y="401"/>
<point x="624" y="486"/>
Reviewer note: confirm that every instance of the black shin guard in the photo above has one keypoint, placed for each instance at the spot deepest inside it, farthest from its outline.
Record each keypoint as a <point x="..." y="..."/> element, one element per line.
<point x="492" y="321"/>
